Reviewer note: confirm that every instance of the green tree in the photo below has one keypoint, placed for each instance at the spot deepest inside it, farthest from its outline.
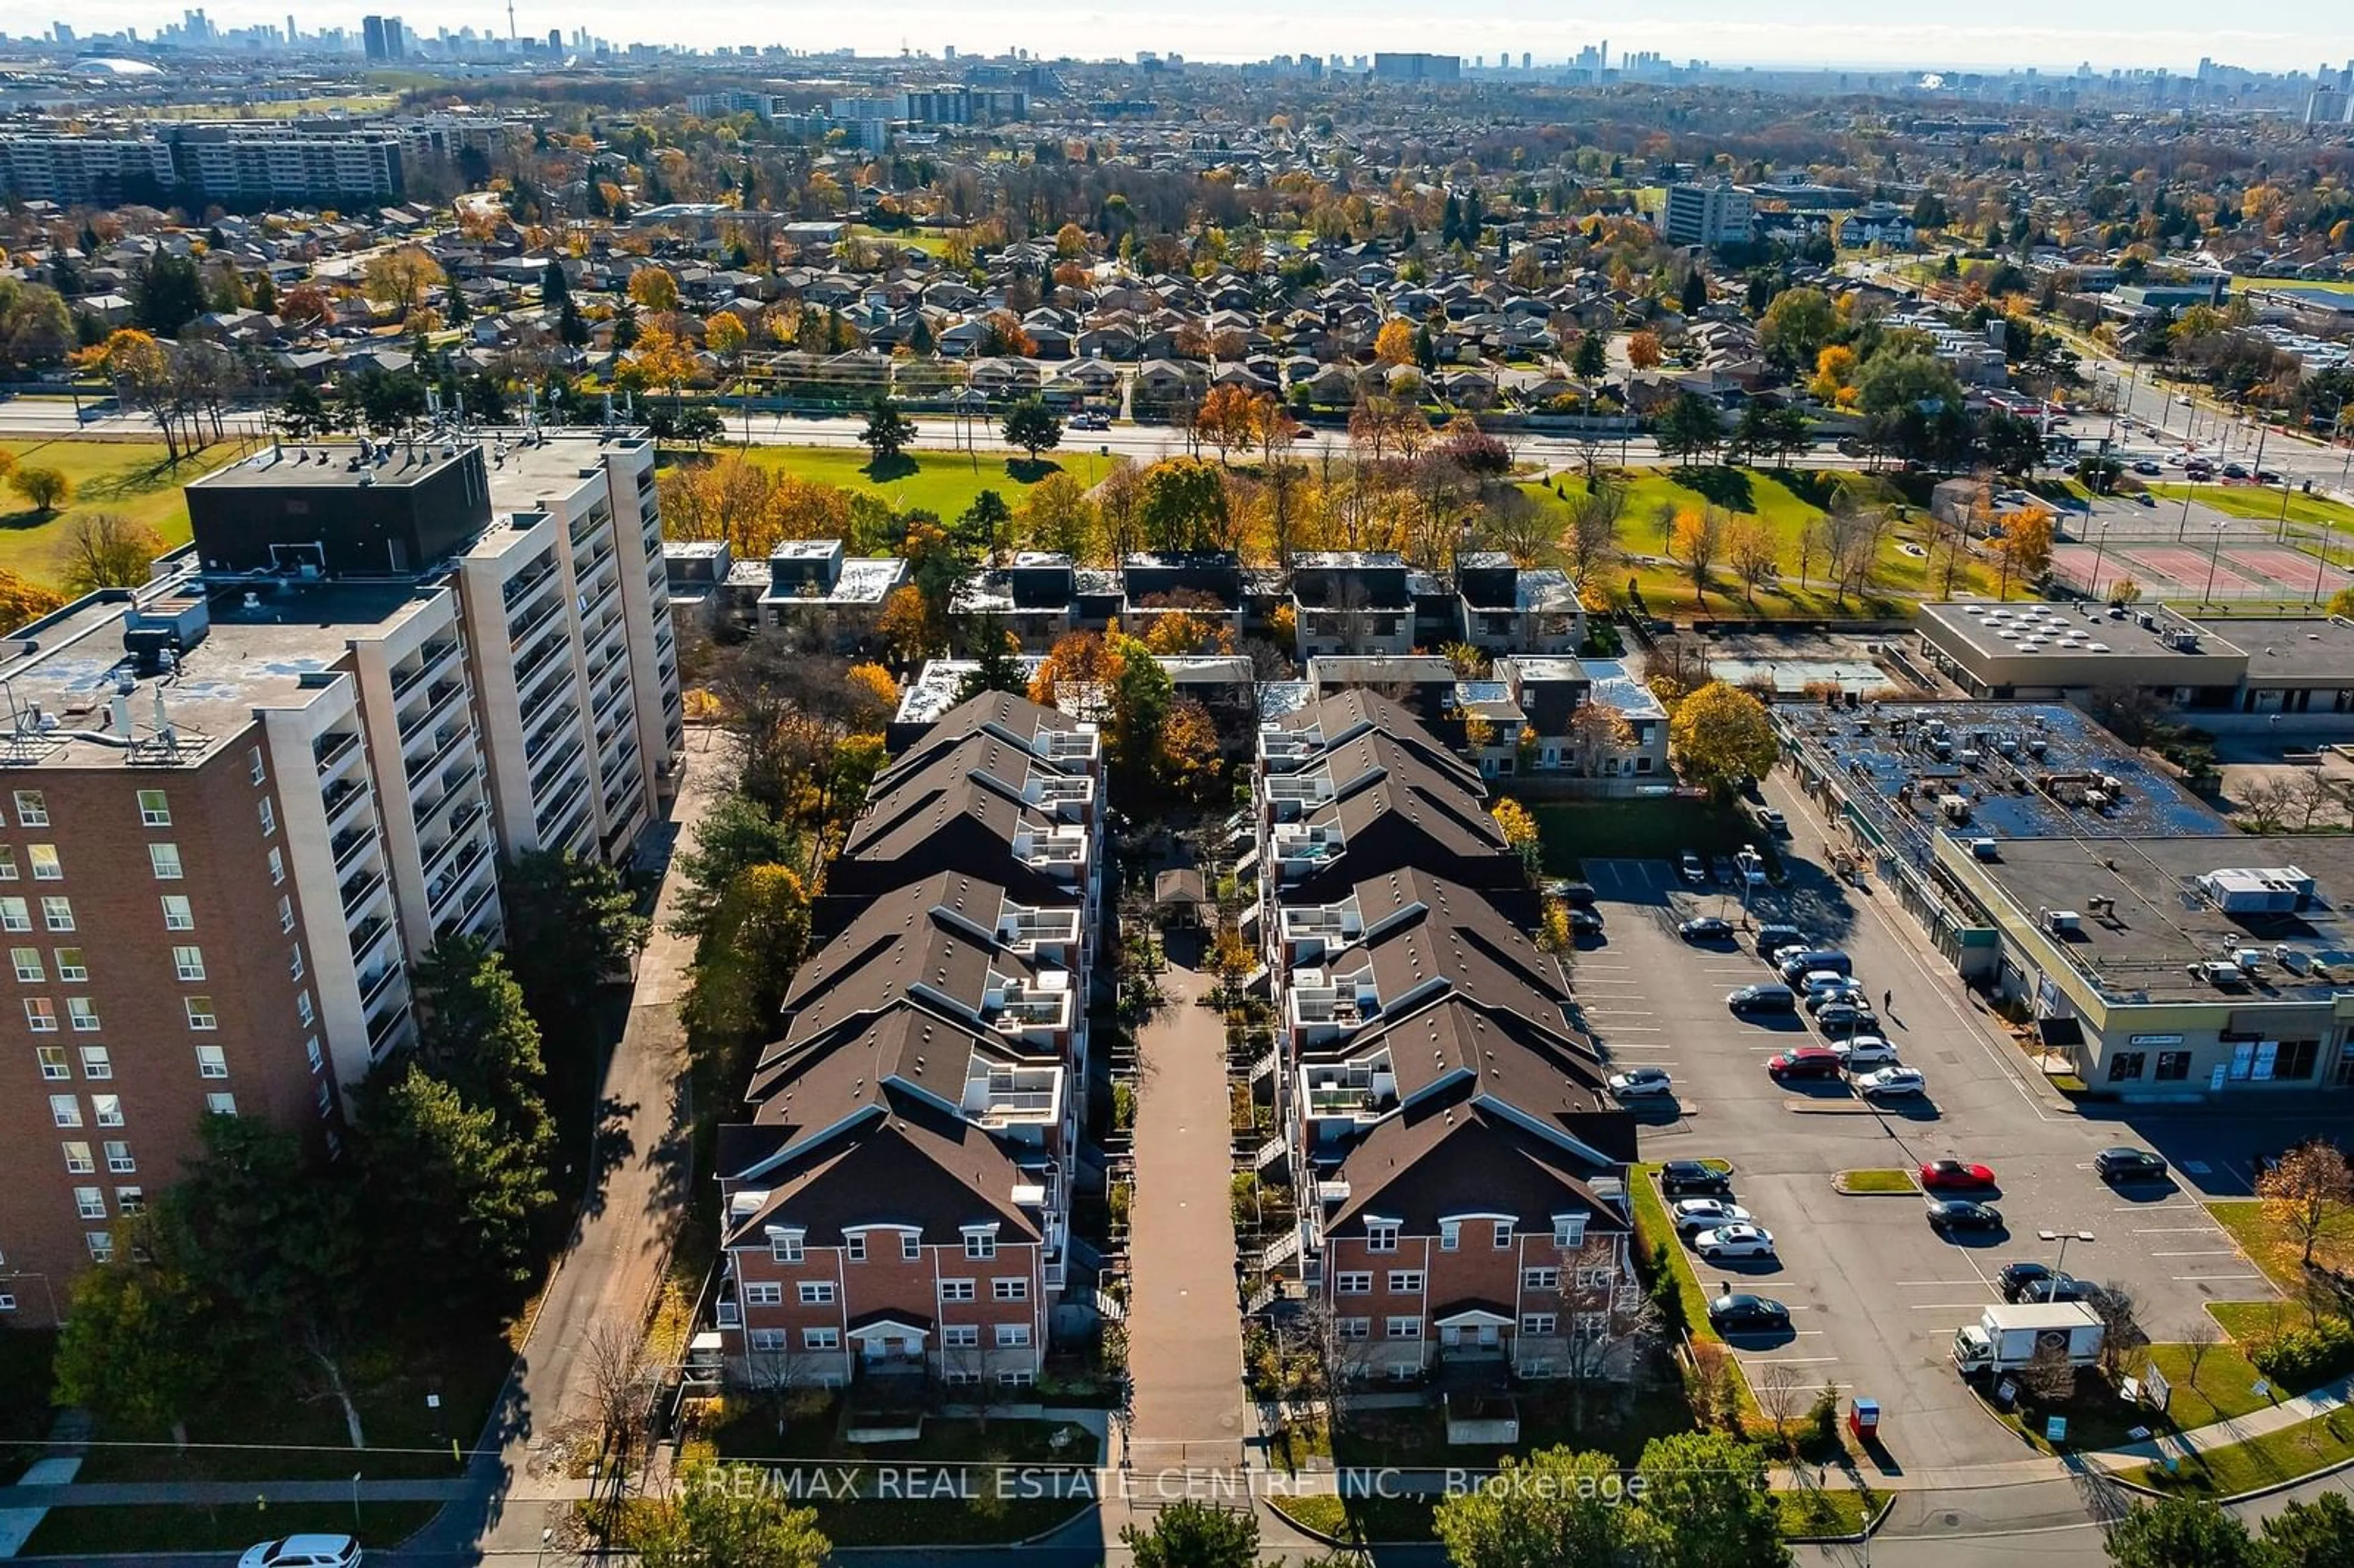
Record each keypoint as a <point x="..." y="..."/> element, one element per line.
<point x="1796" y="327"/>
<point x="478" y="1037"/>
<point x="1183" y="506"/>
<point x="1141" y="693"/>
<point x="446" y="1178"/>
<point x="2183" y="1532"/>
<point x="758" y="935"/>
<point x="1591" y="363"/>
<point x="105" y="549"/>
<point x="1190" y="1535"/>
<point x="1706" y="1504"/>
<point x="167" y="292"/>
<point x="2318" y="1534"/>
<point x="997" y="663"/>
<point x="303" y="413"/>
<point x="1720" y="733"/>
<point x="570" y="923"/>
<point x="46" y="488"/>
<point x="707" y="1522"/>
<point x="888" y="431"/>
<point x="736" y="835"/>
<point x="1690" y="428"/>
<point x="135" y="1352"/>
<point x="1910" y="380"/>
<point x="1555" y="1507"/>
<point x="1032" y="427"/>
<point x="983" y="527"/>
<point x="572" y="327"/>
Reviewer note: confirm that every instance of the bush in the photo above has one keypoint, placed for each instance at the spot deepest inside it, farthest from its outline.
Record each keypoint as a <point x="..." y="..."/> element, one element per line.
<point x="2303" y="1357"/>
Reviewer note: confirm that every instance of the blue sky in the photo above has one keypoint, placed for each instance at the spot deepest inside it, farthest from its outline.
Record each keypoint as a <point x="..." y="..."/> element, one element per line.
<point x="2169" y="33"/>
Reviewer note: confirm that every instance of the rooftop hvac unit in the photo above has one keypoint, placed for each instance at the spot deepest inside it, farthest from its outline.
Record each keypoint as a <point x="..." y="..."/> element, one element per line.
<point x="2250" y="959"/>
<point x="2217" y="972"/>
<point x="2061" y="922"/>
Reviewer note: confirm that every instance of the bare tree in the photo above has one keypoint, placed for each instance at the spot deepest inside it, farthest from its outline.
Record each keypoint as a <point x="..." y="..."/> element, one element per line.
<point x="2317" y="795"/>
<point x="1779" y="1393"/>
<point x="620" y="1374"/>
<point x="1591" y="540"/>
<point x="2048" y="1377"/>
<point x="2306" y="1194"/>
<point x="2121" y="1331"/>
<point x="2266" y="804"/>
<point x="1597" y="731"/>
<point x="2200" y="1336"/>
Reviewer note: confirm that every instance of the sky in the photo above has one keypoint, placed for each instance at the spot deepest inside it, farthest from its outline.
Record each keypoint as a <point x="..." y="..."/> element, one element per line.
<point x="2281" y="34"/>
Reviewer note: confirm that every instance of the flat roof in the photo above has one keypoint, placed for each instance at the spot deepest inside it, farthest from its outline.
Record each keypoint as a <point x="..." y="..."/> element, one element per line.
<point x="2069" y="632"/>
<point x="2165" y="920"/>
<point x="2298" y="650"/>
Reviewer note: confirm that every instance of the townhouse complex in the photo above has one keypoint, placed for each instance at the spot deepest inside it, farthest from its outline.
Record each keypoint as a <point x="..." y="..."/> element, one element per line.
<point x="1458" y="1164"/>
<point x="897" y="1205"/>
<point x="244" y="796"/>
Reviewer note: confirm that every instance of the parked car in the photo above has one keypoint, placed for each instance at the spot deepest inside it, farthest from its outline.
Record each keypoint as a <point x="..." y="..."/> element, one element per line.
<point x="1642" y="1082"/>
<point x="1695" y="1215"/>
<point x="304" y="1551"/>
<point x="1807" y="1061"/>
<point x="2126" y="1163"/>
<point x="1735" y="1240"/>
<point x="2015" y="1277"/>
<point x="1889" y="1083"/>
<point x="2060" y="1288"/>
<point x="1576" y="895"/>
<point x="1864" y="1051"/>
<point x="1752" y="868"/>
<point x="1851" y="1016"/>
<point x="1705" y="928"/>
<point x="1773" y="939"/>
<point x="1961" y="1214"/>
<point x="1691" y="867"/>
<point x="1584" y="923"/>
<point x="1739" y="1310"/>
<point x="1837" y="992"/>
<point x="1951" y="1173"/>
<point x="1678" y="1177"/>
<point x="1751" y="999"/>
<point x="1773" y="822"/>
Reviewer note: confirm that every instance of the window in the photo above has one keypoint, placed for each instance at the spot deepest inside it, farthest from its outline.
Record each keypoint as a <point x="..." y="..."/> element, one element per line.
<point x="225" y="1105"/>
<point x="53" y="1062"/>
<point x="14" y="914"/>
<point x="1011" y="1336"/>
<point x="28" y="965"/>
<point x="65" y="1111"/>
<point x="1381" y="1235"/>
<point x="166" y="859"/>
<point x="2297" y="1059"/>
<point x="1450" y="1234"/>
<point x="46" y="867"/>
<point x="71" y="967"/>
<point x="764" y="1293"/>
<point x="770" y="1339"/>
<point x="1569" y="1230"/>
<point x="1012" y="1288"/>
<point x="269" y="817"/>
<point x="961" y="1336"/>
<point x="855" y="1245"/>
<point x="32" y="809"/>
<point x="77" y="1160"/>
<point x="200" y="1012"/>
<point x="304" y="1008"/>
<point x="177" y="915"/>
<point x="1541" y="1279"/>
<point x="786" y="1247"/>
<point x="955" y="1378"/>
<point x="7" y="863"/>
<point x="95" y="1062"/>
<point x="154" y="808"/>
<point x="1016" y="1379"/>
<point x="911" y="1244"/>
<point x="325" y="1097"/>
<point x="2124" y="1066"/>
<point x="816" y="1292"/>
<point x="1593" y="1279"/>
<point x="1539" y="1325"/>
<point x="129" y="1199"/>
<point x="2173" y="1067"/>
<point x="83" y="1012"/>
<point x="956" y="1289"/>
<point x="980" y="1245"/>
<point x="277" y="866"/>
<point x="118" y="1158"/>
<point x="40" y="1015"/>
<point x="253" y="765"/>
<point x="1403" y="1327"/>
<point x="106" y="1109"/>
<point x="89" y="1202"/>
<point x="101" y="1245"/>
<point x="286" y="912"/>
<point x="58" y="912"/>
<point x="1358" y="1283"/>
<point x="212" y="1061"/>
<point x="8" y="1302"/>
<point x="1592" y="1325"/>
<point x="294" y="964"/>
<point x="1503" y="1235"/>
<point x="1353" y="1327"/>
<point x="188" y="963"/>
<point x="1406" y="1281"/>
<point x="318" y="1059"/>
<point x="821" y="1338"/>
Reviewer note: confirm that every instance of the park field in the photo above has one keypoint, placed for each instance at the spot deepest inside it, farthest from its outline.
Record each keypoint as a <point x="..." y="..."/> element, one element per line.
<point x="942" y="482"/>
<point x="131" y="478"/>
<point x="2261" y="503"/>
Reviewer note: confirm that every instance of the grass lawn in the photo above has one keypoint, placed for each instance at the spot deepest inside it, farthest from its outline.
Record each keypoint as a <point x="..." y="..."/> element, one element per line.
<point x="1877" y="1181"/>
<point x="1824" y="1511"/>
<point x="1363" y="1522"/>
<point x="1653" y="1228"/>
<point x="1636" y="830"/>
<point x="95" y="1531"/>
<point x="2254" y="501"/>
<point x="131" y="478"/>
<point x="1787" y="503"/>
<point x="2098" y="1418"/>
<point x="2270" y="1247"/>
<point x="2263" y="1461"/>
<point x="939" y="482"/>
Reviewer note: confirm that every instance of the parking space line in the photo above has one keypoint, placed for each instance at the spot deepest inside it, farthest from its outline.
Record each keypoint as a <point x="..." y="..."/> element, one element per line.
<point x="2204" y="1252"/>
<point x="2215" y="1277"/>
<point x="2174" y="1230"/>
<point x="1972" y="1281"/>
<point x="1944" y="1306"/>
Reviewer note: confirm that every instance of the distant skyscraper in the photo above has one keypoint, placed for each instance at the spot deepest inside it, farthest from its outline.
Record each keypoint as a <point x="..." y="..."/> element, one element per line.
<point x="556" y="39"/>
<point x="1524" y="59"/>
<point x="291" y="34"/>
<point x="382" y="38"/>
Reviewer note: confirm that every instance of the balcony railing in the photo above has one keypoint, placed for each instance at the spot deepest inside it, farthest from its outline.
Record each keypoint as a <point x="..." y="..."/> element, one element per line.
<point x="332" y="748"/>
<point x="381" y="1037"/>
<point x="516" y="588"/>
<point x="350" y="842"/>
<point x="429" y="658"/>
<point x="445" y="741"/>
<point x="338" y="795"/>
<point x="373" y="985"/>
<point x="436" y="698"/>
<point x="359" y="887"/>
<point x="365" y="935"/>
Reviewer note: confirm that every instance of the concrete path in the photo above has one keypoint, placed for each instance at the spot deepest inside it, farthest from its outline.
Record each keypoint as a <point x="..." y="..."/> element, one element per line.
<point x="1185" y="1343"/>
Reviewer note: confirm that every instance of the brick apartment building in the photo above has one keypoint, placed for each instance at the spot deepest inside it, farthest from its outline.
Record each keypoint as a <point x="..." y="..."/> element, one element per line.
<point x="897" y="1202"/>
<point x="1459" y="1166"/>
<point x="241" y="799"/>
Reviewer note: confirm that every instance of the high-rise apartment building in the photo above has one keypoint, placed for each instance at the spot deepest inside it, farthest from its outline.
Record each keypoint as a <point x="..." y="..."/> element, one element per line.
<point x="1397" y="68"/>
<point x="382" y="38"/>
<point x="1708" y="215"/>
<point x="241" y="798"/>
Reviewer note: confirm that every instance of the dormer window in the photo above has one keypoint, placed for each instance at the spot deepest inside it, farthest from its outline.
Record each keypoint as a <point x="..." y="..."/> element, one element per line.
<point x="1381" y="1235"/>
<point x="980" y="1242"/>
<point x="1569" y="1230"/>
<point x="784" y="1247"/>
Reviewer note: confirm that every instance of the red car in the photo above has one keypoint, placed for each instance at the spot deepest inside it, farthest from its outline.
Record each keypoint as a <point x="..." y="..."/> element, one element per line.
<point x="1955" y="1173"/>
<point x="1807" y="1061"/>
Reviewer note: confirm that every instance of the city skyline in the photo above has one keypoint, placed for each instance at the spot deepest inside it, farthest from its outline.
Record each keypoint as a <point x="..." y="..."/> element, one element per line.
<point x="2004" y="36"/>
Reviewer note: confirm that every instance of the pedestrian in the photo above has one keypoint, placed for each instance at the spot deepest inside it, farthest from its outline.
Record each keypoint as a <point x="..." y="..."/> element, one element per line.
<point x="1888" y="1002"/>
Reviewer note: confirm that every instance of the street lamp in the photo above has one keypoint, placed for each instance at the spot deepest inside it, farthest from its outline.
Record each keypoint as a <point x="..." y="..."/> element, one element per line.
<point x="2059" y="1265"/>
<point x="2213" y="554"/>
<point x="2100" y="544"/>
<point x="2321" y="565"/>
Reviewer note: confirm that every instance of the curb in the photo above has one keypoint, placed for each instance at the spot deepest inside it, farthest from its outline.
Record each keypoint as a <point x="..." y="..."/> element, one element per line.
<point x="1838" y="1185"/>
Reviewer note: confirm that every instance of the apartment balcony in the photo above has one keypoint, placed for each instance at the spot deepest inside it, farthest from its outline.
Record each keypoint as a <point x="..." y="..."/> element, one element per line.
<point x="533" y="621"/>
<point x="333" y="748"/>
<point x="368" y="936"/>
<point x="1070" y="746"/>
<point x="429" y="659"/>
<point x="341" y="795"/>
<point x="546" y="777"/>
<point x="537" y="694"/>
<point x="374" y="983"/>
<point x="476" y="902"/>
<point x="390" y="1032"/>
<point x="357" y="889"/>
<point x="434" y="858"/>
<point x="441" y="886"/>
<point x="446" y="741"/>
<point x="438" y="697"/>
<point x="347" y="844"/>
<point x="559" y="808"/>
<point x="515" y="590"/>
<point x="533" y="663"/>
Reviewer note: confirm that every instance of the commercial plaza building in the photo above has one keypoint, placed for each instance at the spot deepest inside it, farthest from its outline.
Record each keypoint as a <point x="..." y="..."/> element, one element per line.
<point x="242" y="798"/>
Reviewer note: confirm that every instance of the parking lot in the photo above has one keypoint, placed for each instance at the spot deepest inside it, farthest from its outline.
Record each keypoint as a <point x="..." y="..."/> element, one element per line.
<point x="1876" y="1293"/>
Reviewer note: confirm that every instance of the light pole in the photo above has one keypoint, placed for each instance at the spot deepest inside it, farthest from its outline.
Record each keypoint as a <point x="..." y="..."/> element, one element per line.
<point x="2190" y="488"/>
<point x="2213" y="554"/>
<point x="2100" y="544"/>
<point x="2059" y="1265"/>
<point x="2321" y="566"/>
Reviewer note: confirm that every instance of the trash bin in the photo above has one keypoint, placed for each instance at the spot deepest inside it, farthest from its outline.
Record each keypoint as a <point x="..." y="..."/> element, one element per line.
<point x="1864" y="1419"/>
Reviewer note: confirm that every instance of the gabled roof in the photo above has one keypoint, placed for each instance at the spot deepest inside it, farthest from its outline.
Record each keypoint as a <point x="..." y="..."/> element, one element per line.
<point x="1420" y="927"/>
<point x="1469" y="1156"/>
